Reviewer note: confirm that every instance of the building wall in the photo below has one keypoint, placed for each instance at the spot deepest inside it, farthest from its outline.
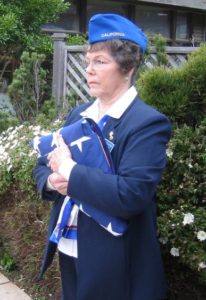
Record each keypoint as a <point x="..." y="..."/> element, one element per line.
<point x="198" y="4"/>
<point x="179" y="25"/>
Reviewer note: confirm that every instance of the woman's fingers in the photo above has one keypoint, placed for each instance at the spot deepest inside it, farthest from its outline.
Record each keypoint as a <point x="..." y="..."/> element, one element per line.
<point x="59" y="154"/>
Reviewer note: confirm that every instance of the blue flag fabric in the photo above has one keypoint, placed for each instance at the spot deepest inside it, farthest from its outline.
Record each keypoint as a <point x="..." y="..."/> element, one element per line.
<point x="61" y="228"/>
<point x="88" y="147"/>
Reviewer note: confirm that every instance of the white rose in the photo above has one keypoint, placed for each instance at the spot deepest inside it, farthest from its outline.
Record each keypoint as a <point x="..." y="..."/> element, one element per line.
<point x="201" y="235"/>
<point x="174" y="251"/>
<point x="188" y="219"/>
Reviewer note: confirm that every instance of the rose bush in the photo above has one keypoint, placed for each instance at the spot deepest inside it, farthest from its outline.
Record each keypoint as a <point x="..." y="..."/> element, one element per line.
<point x="181" y="94"/>
<point x="182" y="198"/>
<point x="17" y="159"/>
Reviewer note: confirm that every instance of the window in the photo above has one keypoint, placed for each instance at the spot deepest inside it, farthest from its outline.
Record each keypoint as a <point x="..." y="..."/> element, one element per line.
<point x="94" y="7"/>
<point x="153" y="20"/>
<point x="67" y="21"/>
<point x="199" y="29"/>
<point x="182" y="32"/>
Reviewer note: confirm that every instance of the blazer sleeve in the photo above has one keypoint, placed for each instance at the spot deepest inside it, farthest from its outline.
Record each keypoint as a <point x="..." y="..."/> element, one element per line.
<point x="41" y="173"/>
<point x="132" y="188"/>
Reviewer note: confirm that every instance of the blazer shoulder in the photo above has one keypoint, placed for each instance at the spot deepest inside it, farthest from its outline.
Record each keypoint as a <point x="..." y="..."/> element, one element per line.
<point x="140" y="110"/>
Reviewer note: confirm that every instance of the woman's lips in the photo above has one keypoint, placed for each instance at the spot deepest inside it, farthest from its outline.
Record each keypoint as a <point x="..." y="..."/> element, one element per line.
<point x="92" y="82"/>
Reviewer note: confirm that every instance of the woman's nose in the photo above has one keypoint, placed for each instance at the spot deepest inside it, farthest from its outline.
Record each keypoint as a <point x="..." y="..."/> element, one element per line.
<point x="89" y="68"/>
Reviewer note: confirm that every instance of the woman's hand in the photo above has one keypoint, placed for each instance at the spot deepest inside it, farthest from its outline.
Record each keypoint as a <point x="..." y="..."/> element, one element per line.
<point x="59" y="183"/>
<point x="59" y="154"/>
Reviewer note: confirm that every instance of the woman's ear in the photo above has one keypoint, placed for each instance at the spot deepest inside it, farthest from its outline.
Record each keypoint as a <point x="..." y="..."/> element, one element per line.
<point x="129" y="75"/>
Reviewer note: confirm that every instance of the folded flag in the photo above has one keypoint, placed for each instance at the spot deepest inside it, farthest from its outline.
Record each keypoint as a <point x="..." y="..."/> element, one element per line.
<point x="62" y="228"/>
<point x="88" y="147"/>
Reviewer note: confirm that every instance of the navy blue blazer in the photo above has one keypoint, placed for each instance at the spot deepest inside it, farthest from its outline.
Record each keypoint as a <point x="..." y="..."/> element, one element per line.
<point x="128" y="267"/>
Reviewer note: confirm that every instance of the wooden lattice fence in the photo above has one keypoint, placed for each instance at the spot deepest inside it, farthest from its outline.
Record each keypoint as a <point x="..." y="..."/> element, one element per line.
<point x="69" y="70"/>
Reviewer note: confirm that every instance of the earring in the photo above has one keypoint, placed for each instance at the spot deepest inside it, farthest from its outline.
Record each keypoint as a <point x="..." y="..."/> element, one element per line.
<point x="126" y="78"/>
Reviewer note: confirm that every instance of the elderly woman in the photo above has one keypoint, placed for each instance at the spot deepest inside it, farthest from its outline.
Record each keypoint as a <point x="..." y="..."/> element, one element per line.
<point x="97" y="264"/>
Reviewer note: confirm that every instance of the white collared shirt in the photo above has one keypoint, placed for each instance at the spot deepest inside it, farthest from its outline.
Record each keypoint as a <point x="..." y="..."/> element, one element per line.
<point x="117" y="109"/>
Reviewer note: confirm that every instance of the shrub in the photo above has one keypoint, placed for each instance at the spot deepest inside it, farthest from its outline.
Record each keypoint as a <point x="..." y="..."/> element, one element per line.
<point x="28" y="86"/>
<point x="179" y="93"/>
<point x="7" y="120"/>
<point x="182" y="198"/>
<point x="76" y="39"/>
<point x="164" y="89"/>
<point x="21" y="21"/>
<point x="41" y="44"/>
<point x="15" y="156"/>
<point x="23" y="214"/>
<point x="194" y="74"/>
<point x="160" y="43"/>
<point x="7" y="262"/>
<point x="184" y="180"/>
<point x="17" y="159"/>
<point x="48" y="113"/>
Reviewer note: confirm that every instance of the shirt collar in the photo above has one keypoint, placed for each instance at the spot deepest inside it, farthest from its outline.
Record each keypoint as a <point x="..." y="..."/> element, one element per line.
<point x="117" y="109"/>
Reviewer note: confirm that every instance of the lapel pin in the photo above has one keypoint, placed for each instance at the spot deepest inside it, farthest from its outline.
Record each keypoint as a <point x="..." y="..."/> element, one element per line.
<point x="111" y="135"/>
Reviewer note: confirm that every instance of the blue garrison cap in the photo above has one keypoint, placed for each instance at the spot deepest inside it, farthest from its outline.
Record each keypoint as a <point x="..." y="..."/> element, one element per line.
<point x="104" y="27"/>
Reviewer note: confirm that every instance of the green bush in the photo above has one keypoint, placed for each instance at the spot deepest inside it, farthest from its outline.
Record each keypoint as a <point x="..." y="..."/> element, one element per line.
<point x="194" y="75"/>
<point x="165" y="90"/>
<point x="179" y="93"/>
<point x="160" y="43"/>
<point x="48" y="113"/>
<point x="76" y="39"/>
<point x="7" y="120"/>
<point x="28" y="86"/>
<point x="21" y="21"/>
<point x="7" y="262"/>
<point x="17" y="159"/>
<point x="182" y="198"/>
<point x="185" y="179"/>
<point x="41" y="44"/>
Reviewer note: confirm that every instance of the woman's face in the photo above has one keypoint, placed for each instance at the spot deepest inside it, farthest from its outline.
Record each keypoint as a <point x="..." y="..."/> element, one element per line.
<point x="104" y="78"/>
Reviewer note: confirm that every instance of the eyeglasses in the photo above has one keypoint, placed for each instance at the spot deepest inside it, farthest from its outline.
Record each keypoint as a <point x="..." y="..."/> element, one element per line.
<point x="96" y="63"/>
